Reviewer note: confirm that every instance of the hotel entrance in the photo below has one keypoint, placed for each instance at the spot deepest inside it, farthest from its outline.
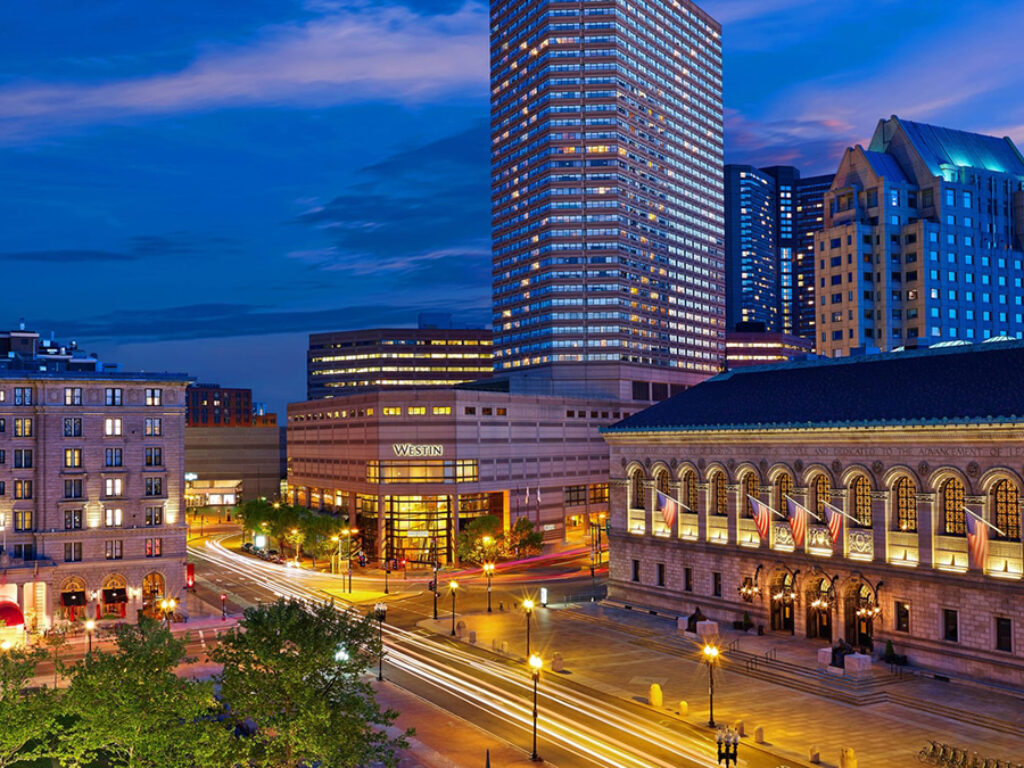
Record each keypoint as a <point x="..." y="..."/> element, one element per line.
<point x="417" y="529"/>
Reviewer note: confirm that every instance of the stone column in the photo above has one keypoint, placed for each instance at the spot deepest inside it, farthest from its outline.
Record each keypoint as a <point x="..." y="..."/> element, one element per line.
<point x="926" y="527"/>
<point x="735" y="491"/>
<point x="703" y="489"/>
<point x="880" y="524"/>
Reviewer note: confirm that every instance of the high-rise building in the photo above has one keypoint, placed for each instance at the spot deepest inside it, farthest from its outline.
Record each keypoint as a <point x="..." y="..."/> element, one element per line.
<point x="924" y="241"/>
<point x="606" y="128"/>
<point x="91" y="465"/>
<point x="771" y="215"/>
<point x="439" y="353"/>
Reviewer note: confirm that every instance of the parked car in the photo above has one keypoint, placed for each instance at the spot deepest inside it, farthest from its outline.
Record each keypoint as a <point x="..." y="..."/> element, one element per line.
<point x="247" y="546"/>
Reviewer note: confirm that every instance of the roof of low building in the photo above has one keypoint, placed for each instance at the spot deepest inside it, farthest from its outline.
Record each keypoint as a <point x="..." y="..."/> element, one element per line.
<point x="981" y="382"/>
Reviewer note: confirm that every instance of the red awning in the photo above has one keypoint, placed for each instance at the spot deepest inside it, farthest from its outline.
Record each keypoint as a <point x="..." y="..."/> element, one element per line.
<point x="10" y="614"/>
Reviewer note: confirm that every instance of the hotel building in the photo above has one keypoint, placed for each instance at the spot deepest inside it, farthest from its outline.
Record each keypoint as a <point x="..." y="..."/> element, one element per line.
<point x="91" y="482"/>
<point x="436" y="354"/>
<point x="923" y="241"/>
<point x="410" y="468"/>
<point x="606" y="130"/>
<point x="904" y="444"/>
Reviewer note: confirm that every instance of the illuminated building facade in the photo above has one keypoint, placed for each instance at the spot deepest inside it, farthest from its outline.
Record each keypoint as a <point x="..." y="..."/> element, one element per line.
<point x="771" y="216"/>
<point x="901" y="443"/>
<point x="433" y="355"/>
<point x="91" y="466"/>
<point x="923" y="241"/>
<point x="606" y="128"/>
<point x="211" y="405"/>
<point x="410" y="467"/>
<point x="750" y="344"/>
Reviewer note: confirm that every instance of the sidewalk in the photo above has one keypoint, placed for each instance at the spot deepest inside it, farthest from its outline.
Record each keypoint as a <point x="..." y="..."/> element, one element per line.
<point x="623" y="652"/>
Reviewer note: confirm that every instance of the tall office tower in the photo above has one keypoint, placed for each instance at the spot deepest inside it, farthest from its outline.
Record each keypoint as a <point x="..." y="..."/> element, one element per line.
<point x="771" y="215"/>
<point x="606" y="129"/>
<point x="924" y="241"/>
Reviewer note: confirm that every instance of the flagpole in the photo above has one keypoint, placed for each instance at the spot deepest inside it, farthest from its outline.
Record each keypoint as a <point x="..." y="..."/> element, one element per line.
<point x="834" y="508"/>
<point x="983" y="520"/>
<point x="806" y="509"/>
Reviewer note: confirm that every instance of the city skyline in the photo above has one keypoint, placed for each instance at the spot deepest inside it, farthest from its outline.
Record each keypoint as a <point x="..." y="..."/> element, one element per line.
<point x="270" y="167"/>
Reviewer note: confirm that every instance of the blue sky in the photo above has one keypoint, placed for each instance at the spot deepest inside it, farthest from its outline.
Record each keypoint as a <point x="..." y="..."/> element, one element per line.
<point x="195" y="186"/>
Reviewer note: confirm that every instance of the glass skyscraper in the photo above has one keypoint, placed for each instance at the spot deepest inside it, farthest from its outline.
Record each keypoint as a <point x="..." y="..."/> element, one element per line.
<point x="606" y="128"/>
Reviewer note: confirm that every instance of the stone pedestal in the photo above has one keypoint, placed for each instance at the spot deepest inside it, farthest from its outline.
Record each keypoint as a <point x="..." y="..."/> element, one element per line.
<point x="707" y="629"/>
<point x="824" y="658"/>
<point x="857" y="665"/>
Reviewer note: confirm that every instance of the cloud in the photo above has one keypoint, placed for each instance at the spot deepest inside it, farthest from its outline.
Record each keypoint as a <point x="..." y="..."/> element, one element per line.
<point x="814" y="146"/>
<point x="389" y="53"/>
<point x="70" y="256"/>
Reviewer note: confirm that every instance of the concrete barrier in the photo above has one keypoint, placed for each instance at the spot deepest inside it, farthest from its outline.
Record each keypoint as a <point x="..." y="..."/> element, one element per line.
<point x="858" y="665"/>
<point x="460" y="629"/>
<point x="504" y="647"/>
<point x="655" y="698"/>
<point x="759" y="735"/>
<point x="684" y="709"/>
<point x="847" y="758"/>
<point x="824" y="658"/>
<point x="706" y="629"/>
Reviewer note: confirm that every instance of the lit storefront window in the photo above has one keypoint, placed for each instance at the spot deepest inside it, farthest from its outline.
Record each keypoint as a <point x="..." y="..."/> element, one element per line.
<point x="442" y="471"/>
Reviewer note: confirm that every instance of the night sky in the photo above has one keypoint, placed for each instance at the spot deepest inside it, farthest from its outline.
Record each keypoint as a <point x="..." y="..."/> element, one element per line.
<point x="194" y="186"/>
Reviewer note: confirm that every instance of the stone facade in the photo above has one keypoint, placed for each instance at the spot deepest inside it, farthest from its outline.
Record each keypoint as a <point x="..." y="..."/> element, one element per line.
<point x="91" y="484"/>
<point x="902" y="572"/>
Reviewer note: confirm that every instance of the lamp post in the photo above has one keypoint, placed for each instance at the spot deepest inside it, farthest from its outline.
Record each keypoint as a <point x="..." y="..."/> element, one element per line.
<point x="380" y="611"/>
<point x="453" y="586"/>
<point x="435" y="589"/>
<point x="711" y="655"/>
<point x="387" y="572"/>
<point x="348" y="533"/>
<point x="489" y="573"/>
<point x="528" y="607"/>
<point x="90" y="627"/>
<point x="728" y="746"/>
<point x="535" y="666"/>
<point x="168" y="605"/>
<point x="223" y="607"/>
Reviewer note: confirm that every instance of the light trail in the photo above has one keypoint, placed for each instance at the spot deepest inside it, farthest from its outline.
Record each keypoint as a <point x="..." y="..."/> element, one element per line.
<point x="480" y="680"/>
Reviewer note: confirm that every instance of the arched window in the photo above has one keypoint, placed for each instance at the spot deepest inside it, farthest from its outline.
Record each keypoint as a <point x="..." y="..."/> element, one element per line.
<point x="719" y="495"/>
<point x="860" y="492"/>
<point x="637" y="495"/>
<point x="1006" y="509"/>
<point x="783" y="488"/>
<point x="905" y="503"/>
<point x="663" y="481"/>
<point x="751" y="487"/>
<point x="953" y="515"/>
<point x="689" y="490"/>
<point x="822" y="493"/>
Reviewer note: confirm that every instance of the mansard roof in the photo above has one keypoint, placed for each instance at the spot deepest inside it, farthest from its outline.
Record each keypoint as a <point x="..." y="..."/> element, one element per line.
<point x="974" y="383"/>
<point x="938" y="147"/>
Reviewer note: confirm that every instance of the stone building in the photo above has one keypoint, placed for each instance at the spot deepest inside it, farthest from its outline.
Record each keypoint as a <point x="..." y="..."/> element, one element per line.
<point x="903" y="444"/>
<point x="91" y="482"/>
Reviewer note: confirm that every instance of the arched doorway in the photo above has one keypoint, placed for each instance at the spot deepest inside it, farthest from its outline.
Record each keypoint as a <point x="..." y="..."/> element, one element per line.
<point x="153" y="586"/>
<point x="782" y="598"/>
<point x="72" y="598"/>
<point x="820" y="599"/>
<point x="114" y="596"/>
<point x="860" y="614"/>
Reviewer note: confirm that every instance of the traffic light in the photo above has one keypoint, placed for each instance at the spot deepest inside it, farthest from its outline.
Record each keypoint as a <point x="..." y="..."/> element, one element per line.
<point x="190" y="576"/>
<point x="432" y="585"/>
<point x="402" y="563"/>
<point x="362" y="560"/>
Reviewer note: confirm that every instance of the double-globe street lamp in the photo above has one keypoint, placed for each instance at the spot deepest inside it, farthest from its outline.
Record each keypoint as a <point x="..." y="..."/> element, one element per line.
<point x="380" y="612"/>
<point x="489" y="573"/>
<point x="535" y="663"/>
<point x="453" y="585"/>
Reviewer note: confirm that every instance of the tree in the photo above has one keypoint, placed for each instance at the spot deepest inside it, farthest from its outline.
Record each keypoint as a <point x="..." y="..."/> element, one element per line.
<point x="129" y="708"/>
<point x="55" y="640"/>
<point x="473" y="545"/>
<point x="523" y="540"/>
<point x="253" y="514"/>
<point x="27" y="717"/>
<point x="298" y="672"/>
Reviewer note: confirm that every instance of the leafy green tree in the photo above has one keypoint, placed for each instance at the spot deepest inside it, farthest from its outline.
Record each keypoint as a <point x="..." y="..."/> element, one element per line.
<point x="253" y="514"/>
<point x="298" y="672"/>
<point x="129" y="708"/>
<point x="523" y="540"/>
<point x="282" y="519"/>
<point x="481" y="539"/>
<point x="27" y="717"/>
<point x="55" y="641"/>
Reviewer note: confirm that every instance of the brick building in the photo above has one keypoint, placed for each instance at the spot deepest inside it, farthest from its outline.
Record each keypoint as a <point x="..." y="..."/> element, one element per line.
<point x="903" y="443"/>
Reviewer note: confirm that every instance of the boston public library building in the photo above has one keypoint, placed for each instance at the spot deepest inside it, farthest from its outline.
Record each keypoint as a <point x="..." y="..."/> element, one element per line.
<point x="721" y="499"/>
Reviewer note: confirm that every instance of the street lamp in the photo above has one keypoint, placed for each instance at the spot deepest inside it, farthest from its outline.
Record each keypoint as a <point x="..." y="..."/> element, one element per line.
<point x="728" y="746"/>
<point x="535" y="666"/>
<point x="387" y="572"/>
<point x="90" y="627"/>
<point x="489" y="573"/>
<point x="528" y="607"/>
<point x="168" y="605"/>
<point x="711" y="655"/>
<point x="453" y="585"/>
<point x="380" y="611"/>
<point x="223" y="607"/>
<point x="348" y="533"/>
<point x="435" y="588"/>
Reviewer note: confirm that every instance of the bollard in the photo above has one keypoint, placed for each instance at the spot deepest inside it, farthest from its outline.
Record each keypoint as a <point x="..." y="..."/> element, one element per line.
<point x="504" y="647"/>
<point x="557" y="664"/>
<point x="759" y="735"/>
<point x="847" y="758"/>
<point x="684" y="709"/>
<point x="501" y="605"/>
<point x="472" y="637"/>
<point x="460" y="629"/>
<point x="655" y="699"/>
<point x="494" y="644"/>
<point x="814" y="755"/>
<point x="738" y="727"/>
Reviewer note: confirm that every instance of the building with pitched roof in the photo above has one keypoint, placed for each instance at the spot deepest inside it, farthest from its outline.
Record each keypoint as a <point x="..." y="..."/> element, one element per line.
<point x="912" y="450"/>
<point x="923" y="241"/>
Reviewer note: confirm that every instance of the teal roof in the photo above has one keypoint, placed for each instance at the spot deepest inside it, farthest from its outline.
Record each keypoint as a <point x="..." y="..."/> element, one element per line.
<point x="940" y="146"/>
<point x="885" y="165"/>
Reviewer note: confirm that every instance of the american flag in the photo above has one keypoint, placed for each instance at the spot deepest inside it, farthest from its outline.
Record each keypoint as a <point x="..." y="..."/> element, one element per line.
<point x="667" y="506"/>
<point x="762" y="516"/>
<point x="977" y="539"/>
<point x="797" y="520"/>
<point x="835" y="521"/>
